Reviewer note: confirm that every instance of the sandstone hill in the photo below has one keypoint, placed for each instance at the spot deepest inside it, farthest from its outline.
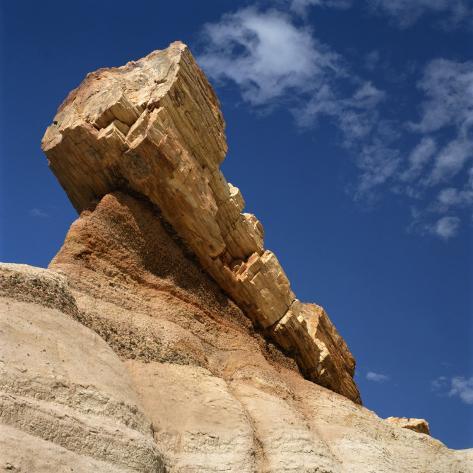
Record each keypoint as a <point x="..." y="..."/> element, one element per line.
<point x="164" y="336"/>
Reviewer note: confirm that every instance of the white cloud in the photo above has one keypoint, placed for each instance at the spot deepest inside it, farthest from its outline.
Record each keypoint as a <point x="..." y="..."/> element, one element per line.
<point x="450" y="161"/>
<point x="418" y="158"/>
<point x="275" y="60"/>
<point x="266" y="55"/>
<point x="405" y="13"/>
<point x="376" y="377"/>
<point x="439" y="383"/>
<point x="377" y="164"/>
<point x="445" y="148"/>
<point x="354" y="115"/>
<point x="463" y="388"/>
<point x="457" y="386"/>
<point x="453" y="197"/>
<point x="39" y="213"/>
<point x="446" y="227"/>
<point x="448" y="86"/>
<point x="301" y="6"/>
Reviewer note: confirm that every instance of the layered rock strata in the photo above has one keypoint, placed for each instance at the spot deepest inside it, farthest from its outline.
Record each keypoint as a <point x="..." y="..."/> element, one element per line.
<point x="154" y="127"/>
<point x="66" y="401"/>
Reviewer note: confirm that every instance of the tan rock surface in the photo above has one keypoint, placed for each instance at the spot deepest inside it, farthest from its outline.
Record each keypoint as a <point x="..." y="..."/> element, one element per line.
<point x="66" y="401"/>
<point x="417" y="425"/>
<point x="154" y="127"/>
<point x="219" y="396"/>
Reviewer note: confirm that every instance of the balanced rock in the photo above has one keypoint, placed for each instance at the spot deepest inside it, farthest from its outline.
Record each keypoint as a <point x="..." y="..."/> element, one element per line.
<point x="154" y="128"/>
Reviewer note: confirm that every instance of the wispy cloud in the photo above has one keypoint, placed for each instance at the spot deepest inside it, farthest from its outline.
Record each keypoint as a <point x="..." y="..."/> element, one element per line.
<point x="254" y="48"/>
<point x="418" y="158"/>
<point x="447" y="14"/>
<point x="437" y="172"/>
<point x="301" y="6"/>
<point x="355" y="114"/>
<point x="38" y="213"/>
<point x="446" y="227"/>
<point x="404" y="13"/>
<point x="463" y="388"/>
<point x="442" y="160"/>
<point x="447" y="85"/>
<point x="376" y="377"/>
<point x="457" y="386"/>
<point x="439" y="384"/>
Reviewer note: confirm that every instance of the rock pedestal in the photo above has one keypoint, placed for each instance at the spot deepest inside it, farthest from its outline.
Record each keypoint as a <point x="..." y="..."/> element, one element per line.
<point x="154" y="128"/>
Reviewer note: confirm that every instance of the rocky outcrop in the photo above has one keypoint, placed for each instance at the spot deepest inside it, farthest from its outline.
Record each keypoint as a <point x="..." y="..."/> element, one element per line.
<point x="66" y="400"/>
<point x="154" y="128"/>
<point x="417" y="425"/>
<point x="197" y="388"/>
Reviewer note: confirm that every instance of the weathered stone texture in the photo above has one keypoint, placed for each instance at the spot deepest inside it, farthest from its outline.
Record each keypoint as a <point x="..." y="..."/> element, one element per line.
<point x="66" y="401"/>
<point x="154" y="127"/>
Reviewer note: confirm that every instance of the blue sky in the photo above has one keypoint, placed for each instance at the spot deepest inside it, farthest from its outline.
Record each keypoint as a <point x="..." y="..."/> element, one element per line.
<point x="350" y="127"/>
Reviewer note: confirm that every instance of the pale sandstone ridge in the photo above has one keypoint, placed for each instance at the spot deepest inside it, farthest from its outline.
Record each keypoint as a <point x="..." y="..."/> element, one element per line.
<point x="417" y="425"/>
<point x="154" y="127"/>
<point x="66" y="400"/>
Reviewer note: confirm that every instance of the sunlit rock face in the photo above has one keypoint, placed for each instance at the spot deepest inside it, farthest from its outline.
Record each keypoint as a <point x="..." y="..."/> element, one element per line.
<point x="154" y="128"/>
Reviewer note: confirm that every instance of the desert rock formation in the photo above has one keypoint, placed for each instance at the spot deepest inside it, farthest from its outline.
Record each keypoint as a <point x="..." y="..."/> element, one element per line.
<point x="154" y="126"/>
<point x="163" y="336"/>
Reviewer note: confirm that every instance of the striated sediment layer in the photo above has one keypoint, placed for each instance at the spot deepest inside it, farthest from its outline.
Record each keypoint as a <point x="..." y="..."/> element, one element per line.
<point x="66" y="401"/>
<point x="154" y="128"/>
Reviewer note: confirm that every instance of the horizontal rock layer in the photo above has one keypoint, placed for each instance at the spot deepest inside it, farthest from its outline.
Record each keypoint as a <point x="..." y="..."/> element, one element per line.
<point x="154" y="127"/>
<point x="66" y="400"/>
